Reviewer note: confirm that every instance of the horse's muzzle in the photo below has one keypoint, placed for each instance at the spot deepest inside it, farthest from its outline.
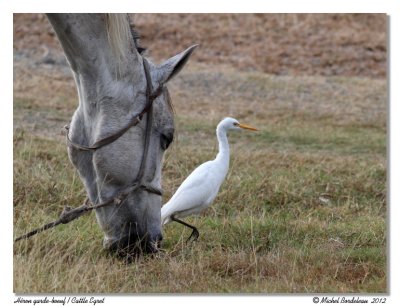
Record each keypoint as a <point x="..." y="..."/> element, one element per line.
<point x="131" y="245"/>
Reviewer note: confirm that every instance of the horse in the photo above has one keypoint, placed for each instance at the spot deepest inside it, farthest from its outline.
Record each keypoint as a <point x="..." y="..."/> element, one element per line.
<point x="122" y="126"/>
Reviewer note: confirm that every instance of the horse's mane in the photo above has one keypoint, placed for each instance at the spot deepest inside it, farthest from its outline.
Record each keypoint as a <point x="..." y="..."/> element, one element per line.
<point x="120" y="31"/>
<point x="136" y="37"/>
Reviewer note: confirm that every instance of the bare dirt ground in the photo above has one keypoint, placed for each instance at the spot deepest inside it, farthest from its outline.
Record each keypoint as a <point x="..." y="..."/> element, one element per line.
<point x="282" y="44"/>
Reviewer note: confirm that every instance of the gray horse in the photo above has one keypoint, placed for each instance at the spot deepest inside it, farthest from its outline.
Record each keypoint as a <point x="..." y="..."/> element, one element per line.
<point x="113" y="87"/>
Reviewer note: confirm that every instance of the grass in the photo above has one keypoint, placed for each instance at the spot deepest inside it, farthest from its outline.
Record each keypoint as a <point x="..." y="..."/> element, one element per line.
<point x="303" y="208"/>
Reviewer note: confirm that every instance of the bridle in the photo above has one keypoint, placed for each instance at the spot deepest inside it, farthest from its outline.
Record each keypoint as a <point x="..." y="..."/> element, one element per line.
<point x="69" y="214"/>
<point x="151" y="95"/>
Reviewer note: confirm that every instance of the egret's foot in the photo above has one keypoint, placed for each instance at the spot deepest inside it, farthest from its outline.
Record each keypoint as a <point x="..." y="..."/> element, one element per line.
<point x="195" y="235"/>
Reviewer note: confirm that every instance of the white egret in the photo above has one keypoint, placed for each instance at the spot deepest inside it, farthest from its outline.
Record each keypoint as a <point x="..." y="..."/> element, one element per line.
<point x="200" y="188"/>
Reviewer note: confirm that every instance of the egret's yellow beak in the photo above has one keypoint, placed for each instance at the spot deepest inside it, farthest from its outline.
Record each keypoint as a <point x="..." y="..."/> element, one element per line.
<point x="247" y="127"/>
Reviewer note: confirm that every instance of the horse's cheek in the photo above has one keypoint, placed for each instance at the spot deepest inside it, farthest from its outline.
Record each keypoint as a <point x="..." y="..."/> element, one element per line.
<point x="118" y="168"/>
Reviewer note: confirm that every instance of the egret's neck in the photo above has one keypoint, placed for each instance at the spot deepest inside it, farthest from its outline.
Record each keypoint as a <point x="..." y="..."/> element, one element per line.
<point x="223" y="153"/>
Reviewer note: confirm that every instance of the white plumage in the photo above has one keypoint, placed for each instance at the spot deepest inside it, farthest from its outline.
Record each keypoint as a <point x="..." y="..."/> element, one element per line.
<point x="200" y="188"/>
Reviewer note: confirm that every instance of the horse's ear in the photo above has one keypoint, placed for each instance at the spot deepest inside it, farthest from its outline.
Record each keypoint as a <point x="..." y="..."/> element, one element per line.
<point x="173" y="65"/>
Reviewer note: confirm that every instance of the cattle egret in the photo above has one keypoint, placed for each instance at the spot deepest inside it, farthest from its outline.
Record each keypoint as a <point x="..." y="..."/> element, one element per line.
<point x="200" y="188"/>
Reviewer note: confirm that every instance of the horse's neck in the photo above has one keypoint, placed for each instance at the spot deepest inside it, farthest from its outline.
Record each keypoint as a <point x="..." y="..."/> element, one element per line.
<point x="86" y="44"/>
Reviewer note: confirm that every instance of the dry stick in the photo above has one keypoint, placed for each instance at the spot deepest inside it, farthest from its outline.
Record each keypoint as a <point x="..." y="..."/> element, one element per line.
<point x="69" y="214"/>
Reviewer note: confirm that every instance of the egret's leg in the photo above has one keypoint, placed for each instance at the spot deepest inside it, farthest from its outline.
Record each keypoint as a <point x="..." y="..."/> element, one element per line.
<point x="195" y="233"/>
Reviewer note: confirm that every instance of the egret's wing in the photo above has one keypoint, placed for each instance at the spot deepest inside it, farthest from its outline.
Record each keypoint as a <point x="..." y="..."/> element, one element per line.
<point x="194" y="191"/>
<point x="200" y="175"/>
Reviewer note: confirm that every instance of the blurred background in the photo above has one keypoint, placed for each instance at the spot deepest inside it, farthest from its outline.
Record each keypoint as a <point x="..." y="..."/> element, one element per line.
<point x="282" y="44"/>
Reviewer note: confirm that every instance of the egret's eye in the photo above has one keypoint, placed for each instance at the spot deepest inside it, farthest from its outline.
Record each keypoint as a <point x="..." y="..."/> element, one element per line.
<point x="235" y="124"/>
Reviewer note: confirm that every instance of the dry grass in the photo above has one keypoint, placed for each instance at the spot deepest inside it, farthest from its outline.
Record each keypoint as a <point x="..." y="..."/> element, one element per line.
<point x="302" y="210"/>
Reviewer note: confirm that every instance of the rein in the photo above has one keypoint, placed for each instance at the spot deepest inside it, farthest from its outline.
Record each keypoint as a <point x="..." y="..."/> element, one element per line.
<point x="69" y="214"/>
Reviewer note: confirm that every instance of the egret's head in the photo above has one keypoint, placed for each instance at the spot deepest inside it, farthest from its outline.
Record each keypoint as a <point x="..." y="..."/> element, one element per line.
<point x="232" y="124"/>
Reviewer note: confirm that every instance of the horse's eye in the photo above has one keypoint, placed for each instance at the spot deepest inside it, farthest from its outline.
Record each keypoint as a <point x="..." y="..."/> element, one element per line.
<point x="166" y="140"/>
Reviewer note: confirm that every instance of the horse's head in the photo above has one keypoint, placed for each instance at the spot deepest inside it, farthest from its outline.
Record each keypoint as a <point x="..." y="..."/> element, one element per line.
<point x="122" y="161"/>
